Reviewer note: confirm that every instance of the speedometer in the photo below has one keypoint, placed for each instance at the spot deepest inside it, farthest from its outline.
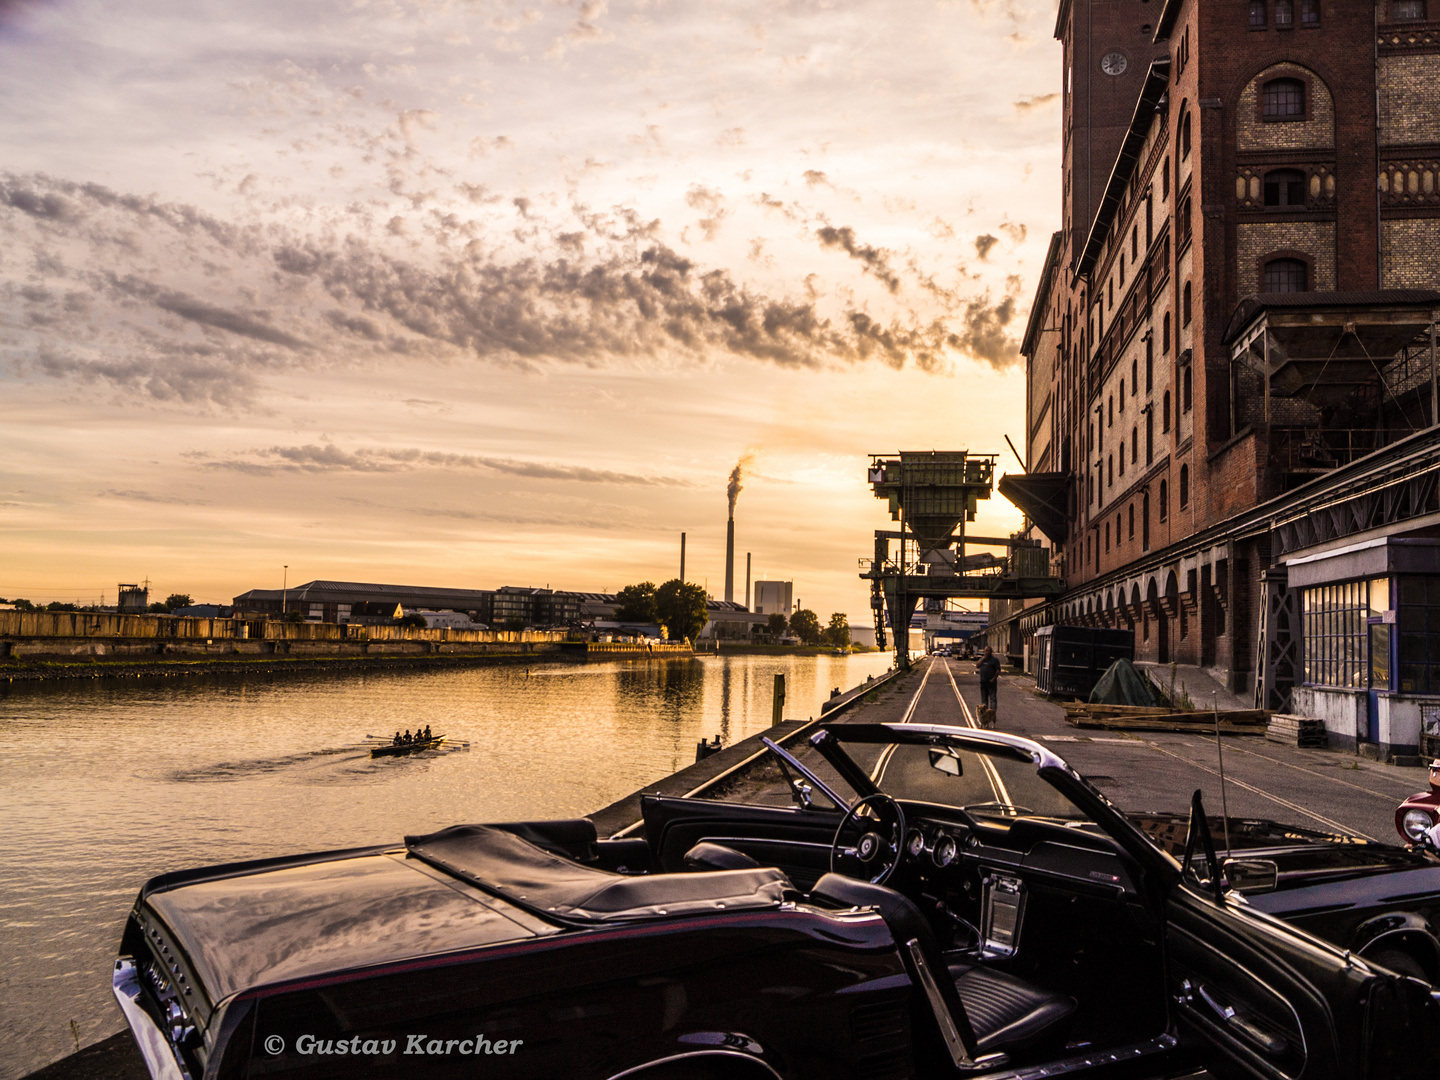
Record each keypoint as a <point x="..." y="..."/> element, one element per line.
<point x="945" y="851"/>
<point x="915" y="844"/>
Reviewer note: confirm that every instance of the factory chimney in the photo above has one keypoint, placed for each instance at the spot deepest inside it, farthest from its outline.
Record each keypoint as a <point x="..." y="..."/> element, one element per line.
<point x="732" y="492"/>
<point x="747" y="581"/>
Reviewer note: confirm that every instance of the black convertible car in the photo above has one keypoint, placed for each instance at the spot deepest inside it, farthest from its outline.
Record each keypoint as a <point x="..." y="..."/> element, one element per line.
<point x="934" y="902"/>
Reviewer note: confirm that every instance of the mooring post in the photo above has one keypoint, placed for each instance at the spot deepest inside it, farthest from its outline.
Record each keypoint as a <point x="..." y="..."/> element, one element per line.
<point x="777" y="710"/>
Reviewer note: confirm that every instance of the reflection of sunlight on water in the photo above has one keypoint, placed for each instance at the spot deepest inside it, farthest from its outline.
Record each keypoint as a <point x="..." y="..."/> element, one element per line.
<point x="104" y="785"/>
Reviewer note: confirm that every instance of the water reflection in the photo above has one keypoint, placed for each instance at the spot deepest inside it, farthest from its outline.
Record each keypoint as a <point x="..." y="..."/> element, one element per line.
<point x="104" y="784"/>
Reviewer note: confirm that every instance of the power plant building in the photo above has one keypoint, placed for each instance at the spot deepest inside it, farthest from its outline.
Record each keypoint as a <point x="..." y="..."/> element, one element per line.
<point x="773" y="597"/>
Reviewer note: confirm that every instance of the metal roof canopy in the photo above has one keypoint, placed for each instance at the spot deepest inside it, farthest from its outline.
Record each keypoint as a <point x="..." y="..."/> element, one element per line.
<point x="1325" y="344"/>
<point x="1045" y="497"/>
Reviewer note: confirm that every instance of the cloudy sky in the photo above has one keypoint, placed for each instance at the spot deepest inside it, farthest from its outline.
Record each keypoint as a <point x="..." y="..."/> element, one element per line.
<point x="472" y="293"/>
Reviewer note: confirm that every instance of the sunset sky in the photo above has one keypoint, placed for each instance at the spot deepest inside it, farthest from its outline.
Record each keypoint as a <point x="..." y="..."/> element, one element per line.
<point x="483" y="293"/>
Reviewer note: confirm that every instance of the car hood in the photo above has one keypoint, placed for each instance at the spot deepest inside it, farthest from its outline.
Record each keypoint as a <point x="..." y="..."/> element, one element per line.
<point x="1299" y="853"/>
<point x="294" y="921"/>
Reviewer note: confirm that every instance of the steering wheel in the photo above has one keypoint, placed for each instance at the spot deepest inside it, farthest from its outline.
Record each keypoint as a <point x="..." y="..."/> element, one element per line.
<point x="877" y="825"/>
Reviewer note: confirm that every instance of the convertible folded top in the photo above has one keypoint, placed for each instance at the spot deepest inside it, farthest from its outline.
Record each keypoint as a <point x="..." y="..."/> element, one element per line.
<point x="560" y="889"/>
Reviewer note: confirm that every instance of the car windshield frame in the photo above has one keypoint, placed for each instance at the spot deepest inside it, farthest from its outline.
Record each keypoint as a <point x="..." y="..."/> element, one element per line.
<point x="830" y="741"/>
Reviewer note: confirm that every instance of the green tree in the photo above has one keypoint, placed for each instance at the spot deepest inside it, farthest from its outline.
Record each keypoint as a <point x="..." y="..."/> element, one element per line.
<point x="806" y="626"/>
<point x="177" y="599"/>
<point x="680" y="606"/>
<point x="157" y="608"/>
<point x="637" y="603"/>
<point x="23" y="605"/>
<point x="56" y="605"/>
<point x="838" y="632"/>
<point x="776" y="624"/>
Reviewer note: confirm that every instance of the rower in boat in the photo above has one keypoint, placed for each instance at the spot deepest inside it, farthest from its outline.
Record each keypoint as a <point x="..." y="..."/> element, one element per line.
<point x="427" y="732"/>
<point x="397" y="738"/>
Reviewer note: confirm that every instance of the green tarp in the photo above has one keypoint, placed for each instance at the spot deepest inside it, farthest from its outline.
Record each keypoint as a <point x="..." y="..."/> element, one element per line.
<point x="1124" y="684"/>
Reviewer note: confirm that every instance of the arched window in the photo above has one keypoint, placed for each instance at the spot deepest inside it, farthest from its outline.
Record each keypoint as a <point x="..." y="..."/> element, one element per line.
<point x="1284" y="13"/>
<point x="1134" y="445"/>
<point x="1110" y="473"/>
<point x="1134" y="375"/>
<point x="1182" y="222"/>
<point x="1185" y="309"/>
<point x="1149" y="436"/>
<point x="1164" y="499"/>
<point x="1184" y="486"/>
<point x="1286" y="275"/>
<point x="1165" y="416"/>
<point x="1185" y="136"/>
<point x="1165" y="180"/>
<point x="1257" y="14"/>
<point x="1185" y="388"/>
<point x="1145" y="522"/>
<point x="1107" y="535"/>
<point x="1149" y="363"/>
<point x="1122" y="395"/>
<point x="1285" y="187"/>
<point x="1122" y="455"/>
<point x="1130" y="512"/>
<point x="1409" y="10"/>
<point x="1283" y="99"/>
<point x="1165" y="334"/>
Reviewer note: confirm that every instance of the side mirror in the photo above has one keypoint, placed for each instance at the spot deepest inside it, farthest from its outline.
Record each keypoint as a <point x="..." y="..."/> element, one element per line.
<point x="947" y="760"/>
<point x="1251" y="875"/>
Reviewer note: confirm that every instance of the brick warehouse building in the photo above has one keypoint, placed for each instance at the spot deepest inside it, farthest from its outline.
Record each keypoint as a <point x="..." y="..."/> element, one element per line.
<point x="1230" y="355"/>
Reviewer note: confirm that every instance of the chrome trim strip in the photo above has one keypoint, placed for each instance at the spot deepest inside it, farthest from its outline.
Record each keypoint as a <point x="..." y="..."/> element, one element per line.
<point x="948" y="1030"/>
<point x="155" y="1049"/>
<point x="639" y="1069"/>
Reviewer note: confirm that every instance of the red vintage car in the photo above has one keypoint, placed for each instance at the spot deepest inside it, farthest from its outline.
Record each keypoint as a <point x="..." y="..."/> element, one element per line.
<point x="1420" y="813"/>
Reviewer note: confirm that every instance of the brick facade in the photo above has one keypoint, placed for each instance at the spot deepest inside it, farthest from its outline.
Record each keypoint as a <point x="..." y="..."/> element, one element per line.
<point x="1266" y="146"/>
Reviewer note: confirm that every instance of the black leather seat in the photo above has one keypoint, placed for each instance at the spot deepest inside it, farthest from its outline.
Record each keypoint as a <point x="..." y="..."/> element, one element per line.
<point x="992" y="1011"/>
<point x="708" y="856"/>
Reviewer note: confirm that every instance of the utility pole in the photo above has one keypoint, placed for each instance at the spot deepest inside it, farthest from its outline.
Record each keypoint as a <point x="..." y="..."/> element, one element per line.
<point x="284" y="591"/>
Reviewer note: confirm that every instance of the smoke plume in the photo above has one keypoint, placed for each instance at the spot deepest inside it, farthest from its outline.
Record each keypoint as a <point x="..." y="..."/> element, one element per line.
<point x="732" y="489"/>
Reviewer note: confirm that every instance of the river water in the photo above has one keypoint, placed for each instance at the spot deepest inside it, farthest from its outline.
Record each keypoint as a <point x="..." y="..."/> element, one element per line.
<point x="103" y="785"/>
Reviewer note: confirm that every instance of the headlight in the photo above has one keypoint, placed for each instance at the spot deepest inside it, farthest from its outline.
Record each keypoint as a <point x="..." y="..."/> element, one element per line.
<point x="1415" y="823"/>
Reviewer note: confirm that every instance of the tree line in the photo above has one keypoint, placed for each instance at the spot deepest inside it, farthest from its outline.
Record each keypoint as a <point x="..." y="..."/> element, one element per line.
<point x="679" y="606"/>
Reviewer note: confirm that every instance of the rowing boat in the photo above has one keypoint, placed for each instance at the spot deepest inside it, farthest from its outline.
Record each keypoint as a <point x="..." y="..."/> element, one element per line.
<point x="406" y="748"/>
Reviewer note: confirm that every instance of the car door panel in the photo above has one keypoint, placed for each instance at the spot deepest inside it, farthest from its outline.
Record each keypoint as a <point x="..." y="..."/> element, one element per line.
<point x="1272" y="1001"/>
<point x="797" y="841"/>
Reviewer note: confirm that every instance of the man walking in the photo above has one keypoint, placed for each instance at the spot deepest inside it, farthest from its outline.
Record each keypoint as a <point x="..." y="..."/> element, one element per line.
<point x="989" y="671"/>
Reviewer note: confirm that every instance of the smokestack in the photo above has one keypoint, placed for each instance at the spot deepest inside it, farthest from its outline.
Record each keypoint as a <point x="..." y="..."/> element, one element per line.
<point x="730" y="561"/>
<point x="732" y="492"/>
<point x="682" y="556"/>
<point x="747" y="581"/>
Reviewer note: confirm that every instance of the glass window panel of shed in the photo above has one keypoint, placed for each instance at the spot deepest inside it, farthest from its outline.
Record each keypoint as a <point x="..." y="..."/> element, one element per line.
<point x="1333" y="619"/>
<point x="1417" y="614"/>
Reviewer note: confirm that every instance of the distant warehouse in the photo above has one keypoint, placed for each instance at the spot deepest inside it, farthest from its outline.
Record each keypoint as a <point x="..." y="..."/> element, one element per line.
<point x="339" y="601"/>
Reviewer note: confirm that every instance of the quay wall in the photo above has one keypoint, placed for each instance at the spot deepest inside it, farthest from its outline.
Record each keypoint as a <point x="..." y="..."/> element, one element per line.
<point x="77" y="634"/>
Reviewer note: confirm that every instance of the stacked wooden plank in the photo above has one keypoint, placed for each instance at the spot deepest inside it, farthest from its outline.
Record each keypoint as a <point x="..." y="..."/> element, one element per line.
<point x="1160" y="718"/>
<point x="1294" y="730"/>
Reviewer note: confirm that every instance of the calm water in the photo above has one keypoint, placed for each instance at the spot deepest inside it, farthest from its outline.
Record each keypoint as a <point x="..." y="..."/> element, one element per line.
<point x="103" y="786"/>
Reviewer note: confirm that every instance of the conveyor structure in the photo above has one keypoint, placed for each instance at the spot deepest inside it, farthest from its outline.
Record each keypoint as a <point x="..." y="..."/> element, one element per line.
<point x="933" y="494"/>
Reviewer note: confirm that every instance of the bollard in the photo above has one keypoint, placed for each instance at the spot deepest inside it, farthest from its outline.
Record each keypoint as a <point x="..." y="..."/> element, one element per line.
<point x="777" y="711"/>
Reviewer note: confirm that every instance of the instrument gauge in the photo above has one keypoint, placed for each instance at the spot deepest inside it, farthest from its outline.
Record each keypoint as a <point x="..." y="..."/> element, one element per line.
<point x="945" y="851"/>
<point x="915" y="843"/>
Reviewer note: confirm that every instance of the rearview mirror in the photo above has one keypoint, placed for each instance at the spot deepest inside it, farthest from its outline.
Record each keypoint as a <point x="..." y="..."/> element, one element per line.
<point x="946" y="760"/>
<point x="1251" y="875"/>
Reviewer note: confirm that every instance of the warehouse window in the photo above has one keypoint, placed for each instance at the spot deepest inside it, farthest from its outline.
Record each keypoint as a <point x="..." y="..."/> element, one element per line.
<point x="1185" y="305"/>
<point x="1184" y="486"/>
<point x="1418" y="619"/>
<point x="1309" y="12"/>
<point x="1164" y="499"/>
<point x="1283" y="99"/>
<point x="1185" y="384"/>
<point x="1130" y="512"/>
<point x="1165" y="413"/>
<point x="1165" y="334"/>
<point x="1285" y="187"/>
<point x="1286" y="275"/>
<point x="1185" y="136"/>
<point x="1284" y="14"/>
<point x="1107" y="537"/>
<point x="1333" y="621"/>
<point x="1409" y="10"/>
<point x="1257" y="14"/>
